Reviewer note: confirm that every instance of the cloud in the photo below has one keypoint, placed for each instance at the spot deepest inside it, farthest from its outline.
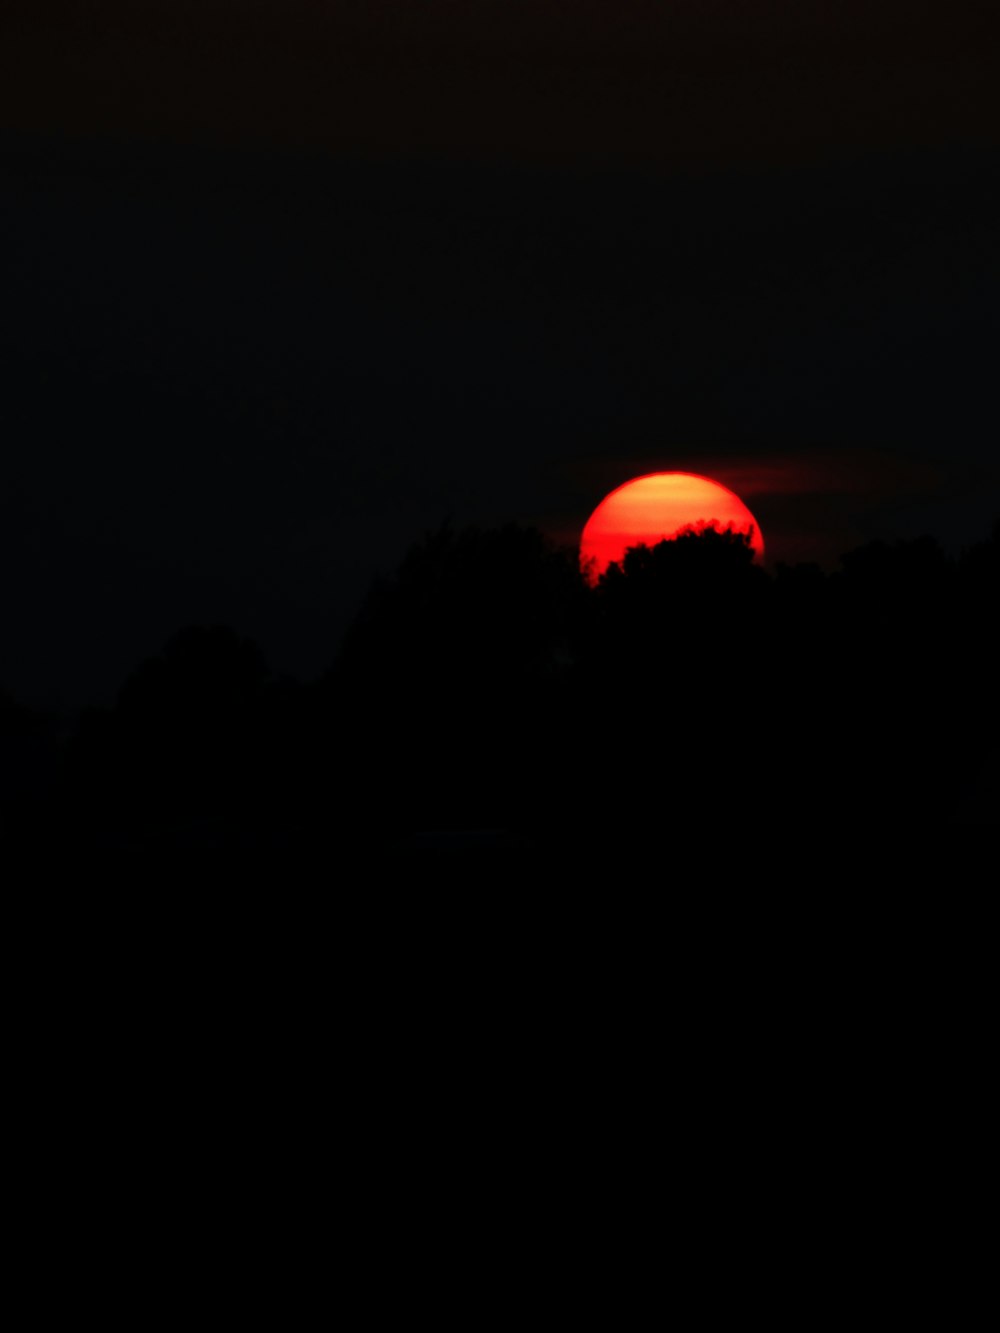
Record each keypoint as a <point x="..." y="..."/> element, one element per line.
<point x="552" y="79"/>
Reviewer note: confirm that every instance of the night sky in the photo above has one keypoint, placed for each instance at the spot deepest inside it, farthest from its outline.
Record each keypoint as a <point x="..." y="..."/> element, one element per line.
<point x="287" y="285"/>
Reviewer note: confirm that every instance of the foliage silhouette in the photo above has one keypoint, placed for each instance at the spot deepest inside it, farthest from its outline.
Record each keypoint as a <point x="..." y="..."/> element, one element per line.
<point x="183" y="742"/>
<point x="28" y="745"/>
<point x="679" y="593"/>
<point x="690" y="698"/>
<point x="447" y="667"/>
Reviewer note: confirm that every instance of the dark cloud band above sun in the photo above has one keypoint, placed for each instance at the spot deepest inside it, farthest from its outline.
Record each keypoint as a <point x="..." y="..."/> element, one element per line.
<point x="550" y="80"/>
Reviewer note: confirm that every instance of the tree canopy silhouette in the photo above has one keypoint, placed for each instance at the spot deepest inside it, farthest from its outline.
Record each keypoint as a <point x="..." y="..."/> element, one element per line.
<point x="487" y="684"/>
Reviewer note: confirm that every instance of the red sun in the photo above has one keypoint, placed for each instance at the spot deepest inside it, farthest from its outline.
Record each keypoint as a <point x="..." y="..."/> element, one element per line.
<point x="657" y="506"/>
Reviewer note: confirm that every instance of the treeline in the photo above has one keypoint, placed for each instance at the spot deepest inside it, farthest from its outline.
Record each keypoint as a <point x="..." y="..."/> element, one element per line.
<point x="486" y="695"/>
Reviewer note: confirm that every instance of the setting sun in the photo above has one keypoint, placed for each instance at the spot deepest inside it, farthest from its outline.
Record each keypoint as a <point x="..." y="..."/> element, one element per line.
<point x="658" y="506"/>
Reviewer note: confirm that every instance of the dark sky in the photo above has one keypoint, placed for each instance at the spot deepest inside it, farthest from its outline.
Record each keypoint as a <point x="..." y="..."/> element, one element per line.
<point x="287" y="284"/>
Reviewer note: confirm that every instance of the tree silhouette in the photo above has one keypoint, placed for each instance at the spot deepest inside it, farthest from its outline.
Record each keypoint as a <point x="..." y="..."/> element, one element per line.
<point x="689" y="698"/>
<point x="183" y="740"/>
<point x="446" y="668"/>
<point x="682" y="590"/>
<point x="28" y="748"/>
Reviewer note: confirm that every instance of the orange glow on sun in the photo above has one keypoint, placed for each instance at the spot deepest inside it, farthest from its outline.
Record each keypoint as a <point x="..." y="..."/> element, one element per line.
<point x="657" y="506"/>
